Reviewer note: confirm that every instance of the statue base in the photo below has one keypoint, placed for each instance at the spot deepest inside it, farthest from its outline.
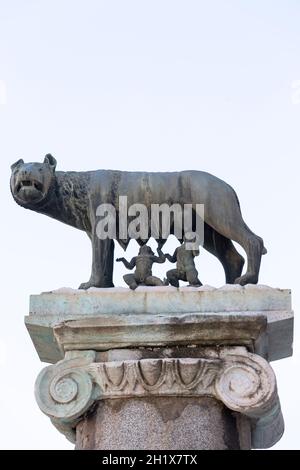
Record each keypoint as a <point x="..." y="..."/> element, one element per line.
<point x="162" y="368"/>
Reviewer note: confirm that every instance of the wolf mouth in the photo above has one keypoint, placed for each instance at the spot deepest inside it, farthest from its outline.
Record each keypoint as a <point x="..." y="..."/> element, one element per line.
<point x="29" y="184"/>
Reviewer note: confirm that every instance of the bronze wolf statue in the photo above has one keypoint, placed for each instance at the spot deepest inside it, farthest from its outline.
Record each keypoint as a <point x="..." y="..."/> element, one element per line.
<point x="73" y="197"/>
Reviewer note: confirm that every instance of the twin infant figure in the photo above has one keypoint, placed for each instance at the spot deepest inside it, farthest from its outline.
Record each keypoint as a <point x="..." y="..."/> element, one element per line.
<point x="185" y="267"/>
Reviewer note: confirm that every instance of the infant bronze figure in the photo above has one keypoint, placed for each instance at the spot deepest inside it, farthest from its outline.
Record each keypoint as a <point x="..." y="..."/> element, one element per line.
<point x="143" y="273"/>
<point x="185" y="265"/>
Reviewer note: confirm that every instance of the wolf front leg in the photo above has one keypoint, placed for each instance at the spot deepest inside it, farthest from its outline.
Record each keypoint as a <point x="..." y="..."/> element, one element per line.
<point x="102" y="264"/>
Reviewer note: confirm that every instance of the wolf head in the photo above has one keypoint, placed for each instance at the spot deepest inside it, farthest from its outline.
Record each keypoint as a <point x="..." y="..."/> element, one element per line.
<point x="30" y="183"/>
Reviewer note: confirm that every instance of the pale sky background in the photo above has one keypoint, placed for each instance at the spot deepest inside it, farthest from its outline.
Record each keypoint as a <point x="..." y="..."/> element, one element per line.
<point x="144" y="85"/>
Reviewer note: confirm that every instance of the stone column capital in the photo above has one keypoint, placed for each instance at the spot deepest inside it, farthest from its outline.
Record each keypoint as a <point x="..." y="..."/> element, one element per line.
<point x="243" y="381"/>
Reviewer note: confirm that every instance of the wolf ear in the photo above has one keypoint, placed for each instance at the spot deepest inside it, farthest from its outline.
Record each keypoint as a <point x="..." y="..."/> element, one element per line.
<point x="15" y="165"/>
<point x="50" y="160"/>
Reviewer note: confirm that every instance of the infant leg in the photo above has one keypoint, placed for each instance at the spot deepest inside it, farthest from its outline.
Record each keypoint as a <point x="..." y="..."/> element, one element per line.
<point x="192" y="278"/>
<point x="130" y="281"/>
<point x="153" y="281"/>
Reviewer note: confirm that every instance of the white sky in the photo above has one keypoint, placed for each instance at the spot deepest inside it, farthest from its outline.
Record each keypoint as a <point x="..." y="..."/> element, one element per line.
<point x="140" y="85"/>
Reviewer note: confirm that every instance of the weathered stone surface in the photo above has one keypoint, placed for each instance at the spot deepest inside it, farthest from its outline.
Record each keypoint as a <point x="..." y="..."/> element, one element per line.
<point x="159" y="423"/>
<point x="156" y="300"/>
<point x="258" y="317"/>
